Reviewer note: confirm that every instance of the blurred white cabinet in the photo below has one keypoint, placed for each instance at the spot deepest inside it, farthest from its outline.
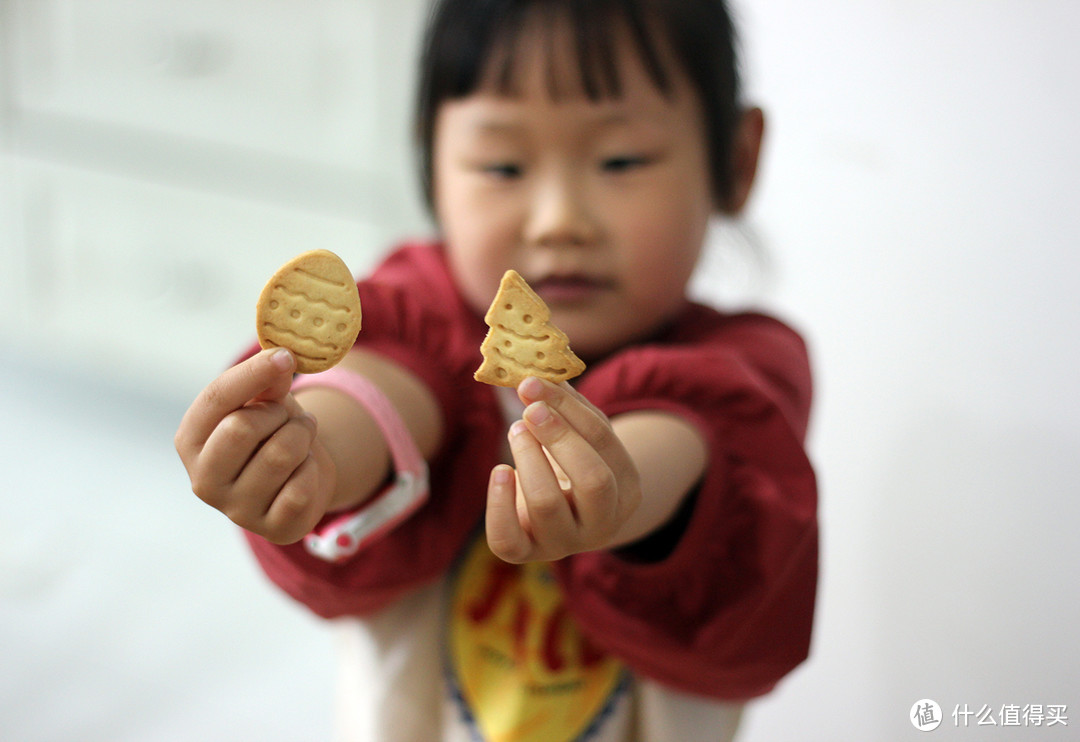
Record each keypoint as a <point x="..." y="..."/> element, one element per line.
<point x="160" y="159"/>
<point x="279" y="76"/>
<point x="155" y="282"/>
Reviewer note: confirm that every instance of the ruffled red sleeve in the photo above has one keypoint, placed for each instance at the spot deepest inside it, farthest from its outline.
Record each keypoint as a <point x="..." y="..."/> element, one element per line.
<point x="413" y="315"/>
<point x="728" y="611"/>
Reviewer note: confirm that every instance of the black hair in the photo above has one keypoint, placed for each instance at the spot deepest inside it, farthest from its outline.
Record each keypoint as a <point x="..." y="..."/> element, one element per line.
<point x="465" y="38"/>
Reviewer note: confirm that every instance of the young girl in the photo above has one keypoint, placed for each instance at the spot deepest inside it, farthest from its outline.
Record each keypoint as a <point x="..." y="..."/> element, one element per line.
<point x="628" y="558"/>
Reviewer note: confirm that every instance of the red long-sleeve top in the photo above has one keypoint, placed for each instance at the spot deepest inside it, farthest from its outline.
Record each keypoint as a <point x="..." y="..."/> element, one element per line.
<point x="728" y="608"/>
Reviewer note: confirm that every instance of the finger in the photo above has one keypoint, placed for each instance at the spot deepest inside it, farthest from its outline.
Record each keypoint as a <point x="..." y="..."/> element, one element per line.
<point x="572" y="392"/>
<point x="593" y="487"/>
<point x="297" y="507"/>
<point x="267" y="375"/>
<point x="292" y="405"/>
<point x="533" y="389"/>
<point x="581" y="415"/>
<point x="506" y="537"/>
<point x="234" y="441"/>
<point x="272" y="465"/>
<point x="551" y="518"/>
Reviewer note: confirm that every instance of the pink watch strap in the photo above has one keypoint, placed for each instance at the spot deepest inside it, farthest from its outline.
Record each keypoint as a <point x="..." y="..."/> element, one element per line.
<point x="344" y="535"/>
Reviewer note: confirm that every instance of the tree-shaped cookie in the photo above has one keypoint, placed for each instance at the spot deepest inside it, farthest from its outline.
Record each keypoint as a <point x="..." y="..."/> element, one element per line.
<point x="522" y="341"/>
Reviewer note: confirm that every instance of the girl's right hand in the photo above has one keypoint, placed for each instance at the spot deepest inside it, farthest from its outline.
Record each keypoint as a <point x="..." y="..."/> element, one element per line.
<point x="252" y="452"/>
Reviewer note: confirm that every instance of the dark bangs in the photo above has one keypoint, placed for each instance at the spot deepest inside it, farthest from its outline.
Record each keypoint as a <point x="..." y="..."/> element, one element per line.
<point x="474" y="42"/>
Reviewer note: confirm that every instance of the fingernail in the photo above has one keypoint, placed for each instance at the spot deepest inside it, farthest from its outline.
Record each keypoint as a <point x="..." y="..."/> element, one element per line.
<point x="282" y="359"/>
<point x="531" y="388"/>
<point x="537" y="413"/>
<point x="501" y="475"/>
<point x="517" y="429"/>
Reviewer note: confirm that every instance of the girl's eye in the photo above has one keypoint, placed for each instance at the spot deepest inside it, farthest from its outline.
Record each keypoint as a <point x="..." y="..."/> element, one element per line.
<point x="623" y="163"/>
<point x="502" y="170"/>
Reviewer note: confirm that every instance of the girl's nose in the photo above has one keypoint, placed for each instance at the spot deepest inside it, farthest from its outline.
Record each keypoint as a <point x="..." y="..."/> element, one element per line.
<point x="560" y="214"/>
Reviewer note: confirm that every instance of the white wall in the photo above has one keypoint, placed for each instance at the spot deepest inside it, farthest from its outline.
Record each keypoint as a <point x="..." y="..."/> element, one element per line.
<point x="916" y="206"/>
<point x="919" y="200"/>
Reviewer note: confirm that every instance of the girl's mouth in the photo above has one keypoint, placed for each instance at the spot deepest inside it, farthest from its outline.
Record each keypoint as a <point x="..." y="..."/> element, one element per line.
<point x="570" y="289"/>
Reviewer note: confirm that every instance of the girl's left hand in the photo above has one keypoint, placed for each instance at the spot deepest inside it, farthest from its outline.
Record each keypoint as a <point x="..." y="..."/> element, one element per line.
<point x="574" y="485"/>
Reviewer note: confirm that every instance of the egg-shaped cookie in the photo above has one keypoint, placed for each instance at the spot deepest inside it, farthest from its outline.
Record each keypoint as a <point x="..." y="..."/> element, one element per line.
<point x="310" y="306"/>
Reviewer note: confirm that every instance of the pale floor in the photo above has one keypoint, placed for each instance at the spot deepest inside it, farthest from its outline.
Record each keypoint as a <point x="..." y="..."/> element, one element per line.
<point x="130" y="611"/>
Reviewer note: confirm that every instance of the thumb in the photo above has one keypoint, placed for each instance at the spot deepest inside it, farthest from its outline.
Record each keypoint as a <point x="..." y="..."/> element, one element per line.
<point x="280" y="383"/>
<point x="275" y="369"/>
<point x="264" y="376"/>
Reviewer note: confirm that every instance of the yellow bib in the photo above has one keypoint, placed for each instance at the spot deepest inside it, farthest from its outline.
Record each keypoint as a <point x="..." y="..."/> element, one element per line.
<point x="523" y="670"/>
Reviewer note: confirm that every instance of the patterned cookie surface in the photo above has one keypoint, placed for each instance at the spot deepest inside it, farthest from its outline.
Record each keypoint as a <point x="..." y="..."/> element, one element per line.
<point x="522" y="341"/>
<point x="310" y="306"/>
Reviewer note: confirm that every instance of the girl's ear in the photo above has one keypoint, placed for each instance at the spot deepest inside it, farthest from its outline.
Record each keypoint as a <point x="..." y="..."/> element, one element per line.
<point x="745" y="159"/>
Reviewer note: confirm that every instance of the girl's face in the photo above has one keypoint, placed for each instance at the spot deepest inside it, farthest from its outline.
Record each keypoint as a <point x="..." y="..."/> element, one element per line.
<point x="601" y="206"/>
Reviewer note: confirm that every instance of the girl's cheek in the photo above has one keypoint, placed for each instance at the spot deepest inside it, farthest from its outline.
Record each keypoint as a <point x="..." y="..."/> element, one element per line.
<point x="666" y="248"/>
<point x="480" y="249"/>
